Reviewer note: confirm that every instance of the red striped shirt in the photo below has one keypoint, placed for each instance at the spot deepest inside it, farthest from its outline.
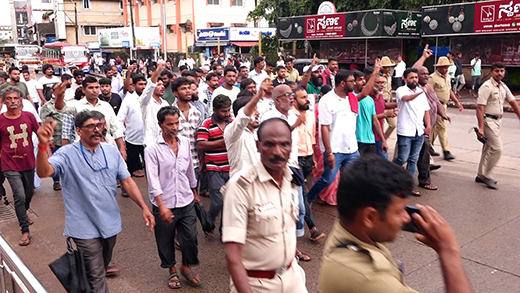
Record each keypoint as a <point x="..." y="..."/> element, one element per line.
<point x="216" y="159"/>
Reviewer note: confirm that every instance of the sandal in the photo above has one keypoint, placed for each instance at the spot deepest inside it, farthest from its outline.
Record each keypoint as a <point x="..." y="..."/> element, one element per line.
<point x="317" y="235"/>
<point x="56" y="186"/>
<point x="428" y="186"/>
<point x="171" y="281"/>
<point x="302" y="256"/>
<point x="416" y="193"/>
<point x="25" y="241"/>
<point x="190" y="277"/>
<point x="29" y="220"/>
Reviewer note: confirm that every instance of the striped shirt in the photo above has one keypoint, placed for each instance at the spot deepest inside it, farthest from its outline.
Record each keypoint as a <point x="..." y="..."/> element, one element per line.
<point x="188" y="128"/>
<point x="216" y="159"/>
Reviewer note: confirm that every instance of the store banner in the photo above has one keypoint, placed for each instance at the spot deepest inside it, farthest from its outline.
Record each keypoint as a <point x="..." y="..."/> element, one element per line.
<point x="455" y="19"/>
<point x="363" y="24"/>
<point x="328" y="26"/>
<point x="291" y="28"/>
<point x="353" y="51"/>
<point x="249" y="34"/>
<point x="497" y="16"/>
<point x="408" y="24"/>
<point x="122" y="37"/>
<point x="212" y="34"/>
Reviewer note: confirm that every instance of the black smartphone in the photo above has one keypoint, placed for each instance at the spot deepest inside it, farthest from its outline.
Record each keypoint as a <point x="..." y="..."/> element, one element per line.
<point x="411" y="226"/>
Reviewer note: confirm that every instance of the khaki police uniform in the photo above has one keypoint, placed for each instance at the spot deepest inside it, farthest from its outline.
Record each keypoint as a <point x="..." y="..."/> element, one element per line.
<point x="262" y="216"/>
<point x="387" y="96"/>
<point x="351" y="265"/>
<point x="442" y="86"/>
<point x="492" y="95"/>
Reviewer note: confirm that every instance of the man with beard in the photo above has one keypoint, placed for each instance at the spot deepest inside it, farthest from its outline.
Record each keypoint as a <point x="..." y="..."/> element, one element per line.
<point x="14" y="81"/>
<point x="258" y="74"/>
<point x="167" y="79"/>
<point x="312" y="79"/>
<point x="242" y="74"/>
<point x="46" y="83"/>
<point x="150" y="103"/>
<point x="206" y="95"/>
<point x="269" y="69"/>
<point x="228" y="88"/>
<point x="280" y="76"/>
<point x="108" y="96"/>
<point x="413" y="121"/>
<point x="248" y="84"/>
<point x="330" y="71"/>
<point x="383" y="109"/>
<point x="31" y="84"/>
<point x="173" y="193"/>
<point x="292" y="73"/>
<point x="210" y="140"/>
<point x="306" y="158"/>
<point x="195" y="100"/>
<point x="190" y="117"/>
<point x="367" y="122"/>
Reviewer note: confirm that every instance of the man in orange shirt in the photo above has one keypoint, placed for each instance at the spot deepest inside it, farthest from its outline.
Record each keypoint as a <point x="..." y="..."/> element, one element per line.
<point x="306" y="125"/>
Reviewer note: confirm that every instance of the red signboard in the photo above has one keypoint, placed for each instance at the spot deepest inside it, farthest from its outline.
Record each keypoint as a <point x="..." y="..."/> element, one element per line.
<point x="326" y="26"/>
<point x="497" y="16"/>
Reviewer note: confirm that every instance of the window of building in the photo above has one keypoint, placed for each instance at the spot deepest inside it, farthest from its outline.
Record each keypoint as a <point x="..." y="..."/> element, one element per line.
<point x="213" y="2"/>
<point x="90" y="31"/>
<point x="237" y="3"/>
<point x="46" y="1"/>
<point x="120" y="4"/>
<point x="86" y="4"/>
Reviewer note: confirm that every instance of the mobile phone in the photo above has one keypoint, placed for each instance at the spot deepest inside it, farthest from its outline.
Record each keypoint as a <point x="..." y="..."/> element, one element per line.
<point x="411" y="226"/>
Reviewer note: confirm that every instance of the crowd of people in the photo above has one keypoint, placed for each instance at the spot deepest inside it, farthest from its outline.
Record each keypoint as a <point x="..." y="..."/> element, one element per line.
<point x="252" y="141"/>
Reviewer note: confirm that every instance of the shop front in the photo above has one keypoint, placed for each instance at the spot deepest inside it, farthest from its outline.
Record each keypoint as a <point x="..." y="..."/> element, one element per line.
<point x="213" y="41"/>
<point x="232" y="40"/>
<point x="243" y="38"/>
<point x="354" y="37"/>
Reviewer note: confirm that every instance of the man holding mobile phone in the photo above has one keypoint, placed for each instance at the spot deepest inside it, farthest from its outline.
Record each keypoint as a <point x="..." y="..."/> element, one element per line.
<point x="372" y="199"/>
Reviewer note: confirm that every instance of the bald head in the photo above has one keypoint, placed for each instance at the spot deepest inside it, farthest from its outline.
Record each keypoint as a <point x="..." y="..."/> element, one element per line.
<point x="280" y="90"/>
<point x="424" y="75"/>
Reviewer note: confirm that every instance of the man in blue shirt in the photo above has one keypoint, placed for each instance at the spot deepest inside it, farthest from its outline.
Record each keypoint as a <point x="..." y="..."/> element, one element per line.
<point x="88" y="170"/>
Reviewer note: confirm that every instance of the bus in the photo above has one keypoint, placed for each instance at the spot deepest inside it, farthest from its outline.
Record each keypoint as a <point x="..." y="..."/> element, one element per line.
<point x="16" y="55"/>
<point x="64" y="55"/>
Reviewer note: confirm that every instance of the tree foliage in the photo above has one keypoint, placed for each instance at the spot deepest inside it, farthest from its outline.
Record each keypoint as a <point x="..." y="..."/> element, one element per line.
<point x="287" y="8"/>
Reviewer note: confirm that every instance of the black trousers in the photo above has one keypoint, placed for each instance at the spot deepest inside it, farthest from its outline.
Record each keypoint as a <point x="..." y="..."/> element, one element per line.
<point x="215" y="181"/>
<point x="22" y="184"/>
<point x="423" y="164"/>
<point x="135" y="153"/>
<point x="306" y="164"/>
<point x="185" y="223"/>
<point x="367" y="148"/>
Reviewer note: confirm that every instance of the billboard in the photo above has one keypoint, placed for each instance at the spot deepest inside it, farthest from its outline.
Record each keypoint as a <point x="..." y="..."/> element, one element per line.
<point x="121" y="37"/>
<point x="328" y="26"/>
<point x="408" y="24"/>
<point x="292" y="28"/>
<point x="454" y="19"/>
<point x="212" y="34"/>
<point x="363" y="24"/>
<point x="497" y="16"/>
<point x="249" y="33"/>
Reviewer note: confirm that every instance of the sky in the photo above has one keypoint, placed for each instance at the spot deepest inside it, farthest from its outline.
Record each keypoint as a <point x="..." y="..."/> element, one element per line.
<point x="5" y="14"/>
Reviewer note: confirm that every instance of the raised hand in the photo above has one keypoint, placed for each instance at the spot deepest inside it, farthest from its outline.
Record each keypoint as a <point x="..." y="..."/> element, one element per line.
<point x="427" y="53"/>
<point x="46" y="131"/>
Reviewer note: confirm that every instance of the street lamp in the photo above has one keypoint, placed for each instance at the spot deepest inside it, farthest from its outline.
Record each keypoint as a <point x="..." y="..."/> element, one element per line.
<point x="164" y="9"/>
<point x="76" y="21"/>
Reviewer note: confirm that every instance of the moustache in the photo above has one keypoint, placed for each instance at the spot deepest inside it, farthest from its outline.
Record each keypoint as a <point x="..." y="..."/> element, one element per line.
<point x="96" y="135"/>
<point x="277" y="159"/>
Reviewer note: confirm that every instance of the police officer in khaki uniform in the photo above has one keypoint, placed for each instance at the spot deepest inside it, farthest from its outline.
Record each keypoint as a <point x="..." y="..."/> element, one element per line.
<point x="259" y="222"/>
<point x="490" y="106"/>
<point x="440" y="81"/>
<point x="388" y="65"/>
<point x="372" y="197"/>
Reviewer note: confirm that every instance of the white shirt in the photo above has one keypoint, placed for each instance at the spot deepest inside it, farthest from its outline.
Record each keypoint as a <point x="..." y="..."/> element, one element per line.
<point x="399" y="69"/>
<point x="258" y="77"/>
<point x="181" y="63"/>
<point x="410" y="121"/>
<point x="336" y="112"/>
<point x="232" y="94"/>
<point x="240" y="144"/>
<point x="206" y="64"/>
<point x="149" y="109"/>
<point x="31" y="87"/>
<point x="190" y="62"/>
<point x="265" y="105"/>
<point x="130" y="115"/>
<point x="295" y="136"/>
<point x="45" y="82"/>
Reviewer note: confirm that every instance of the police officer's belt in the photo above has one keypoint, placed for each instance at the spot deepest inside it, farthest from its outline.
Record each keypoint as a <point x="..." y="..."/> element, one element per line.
<point x="267" y="274"/>
<point x="496" y="117"/>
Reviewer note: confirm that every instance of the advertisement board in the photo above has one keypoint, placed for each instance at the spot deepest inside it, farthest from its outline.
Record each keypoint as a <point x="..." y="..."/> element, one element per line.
<point x="455" y="19"/>
<point x="497" y="16"/>
<point x="292" y="28"/>
<point x="249" y="34"/>
<point x="212" y="34"/>
<point x="363" y="24"/>
<point x="408" y="24"/>
<point x="328" y="26"/>
<point x="122" y="37"/>
<point x="353" y="51"/>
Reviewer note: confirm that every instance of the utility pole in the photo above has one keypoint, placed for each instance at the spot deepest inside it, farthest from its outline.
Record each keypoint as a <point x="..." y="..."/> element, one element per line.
<point x="13" y="22"/>
<point x="164" y="30"/>
<point x="133" y="25"/>
<point x="76" y="22"/>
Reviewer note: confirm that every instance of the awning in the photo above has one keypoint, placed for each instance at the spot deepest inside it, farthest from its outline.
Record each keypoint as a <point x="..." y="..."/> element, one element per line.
<point x="245" y="44"/>
<point x="210" y="43"/>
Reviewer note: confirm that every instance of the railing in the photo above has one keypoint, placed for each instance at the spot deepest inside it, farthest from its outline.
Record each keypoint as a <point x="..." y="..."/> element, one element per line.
<point x="15" y="277"/>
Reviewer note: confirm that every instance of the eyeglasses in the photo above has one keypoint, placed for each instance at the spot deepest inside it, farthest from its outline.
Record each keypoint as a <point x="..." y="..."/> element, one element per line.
<point x="88" y="163"/>
<point x="287" y="95"/>
<point x="351" y="80"/>
<point x="91" y="127"/>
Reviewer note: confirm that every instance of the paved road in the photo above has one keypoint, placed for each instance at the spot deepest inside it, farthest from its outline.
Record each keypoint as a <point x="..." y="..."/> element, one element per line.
<point x="484" y="221"/>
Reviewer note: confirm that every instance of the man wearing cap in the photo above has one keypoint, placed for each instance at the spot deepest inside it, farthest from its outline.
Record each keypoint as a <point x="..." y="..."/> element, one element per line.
<point x="388" y="65"/>
<point x="490" y="107"/>
<point x="441" y="83"/>
<point x="312" y="79"/>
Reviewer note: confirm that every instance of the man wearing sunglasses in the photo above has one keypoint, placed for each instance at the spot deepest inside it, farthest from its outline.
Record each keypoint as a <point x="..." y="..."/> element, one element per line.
<point x="88" y="170"/>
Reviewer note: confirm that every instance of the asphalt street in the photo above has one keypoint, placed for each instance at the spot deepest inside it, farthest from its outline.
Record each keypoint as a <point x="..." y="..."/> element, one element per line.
<point x="485" y="222"/>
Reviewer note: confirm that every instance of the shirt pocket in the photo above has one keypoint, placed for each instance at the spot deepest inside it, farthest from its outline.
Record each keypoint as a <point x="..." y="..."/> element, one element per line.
<point x="267" y="219"/>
